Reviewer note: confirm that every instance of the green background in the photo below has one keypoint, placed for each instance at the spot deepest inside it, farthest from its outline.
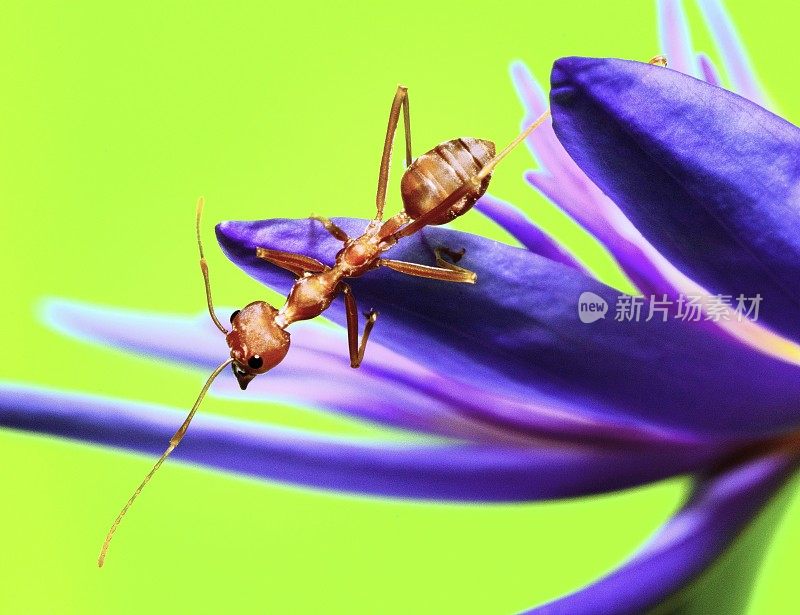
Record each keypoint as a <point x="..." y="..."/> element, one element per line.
<point x="113" y="120"/>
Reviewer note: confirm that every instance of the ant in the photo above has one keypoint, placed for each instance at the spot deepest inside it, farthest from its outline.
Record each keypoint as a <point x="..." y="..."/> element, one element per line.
<point x="437" y="187"/>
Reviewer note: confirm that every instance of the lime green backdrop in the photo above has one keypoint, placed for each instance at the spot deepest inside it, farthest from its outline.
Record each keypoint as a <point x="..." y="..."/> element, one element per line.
<point x="113" y="120"/>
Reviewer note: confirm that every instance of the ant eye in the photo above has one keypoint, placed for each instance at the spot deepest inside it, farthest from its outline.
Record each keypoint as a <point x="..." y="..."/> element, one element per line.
<point x="234" y="315"/>
<point x="255" y="362"/>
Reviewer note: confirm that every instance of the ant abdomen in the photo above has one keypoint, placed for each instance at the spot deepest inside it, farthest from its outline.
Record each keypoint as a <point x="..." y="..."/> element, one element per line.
<point x="439" y="172"/>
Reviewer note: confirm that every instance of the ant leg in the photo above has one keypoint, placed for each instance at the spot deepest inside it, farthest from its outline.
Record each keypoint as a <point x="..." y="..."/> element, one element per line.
<point x="400" y="102"/>
<point x="296" y="263"/>
<point x="448" y="273"/>
<point x="331" y="228"/>
<point x="356" y="349"/>
<point x="454" y="255"/>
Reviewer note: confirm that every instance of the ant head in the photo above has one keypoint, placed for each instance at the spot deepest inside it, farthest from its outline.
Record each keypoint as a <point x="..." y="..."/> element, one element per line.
<point x="257" y="343"/>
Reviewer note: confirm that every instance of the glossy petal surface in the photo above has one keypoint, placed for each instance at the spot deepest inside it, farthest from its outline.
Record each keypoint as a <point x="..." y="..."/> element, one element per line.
<point x="710" y="178"/>
<point x="519" y="330"/>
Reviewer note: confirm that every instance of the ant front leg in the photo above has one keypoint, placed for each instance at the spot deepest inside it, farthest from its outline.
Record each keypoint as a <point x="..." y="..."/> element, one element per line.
<point x="400" y="102"/>
<point x="332" y="228"/>
<point x="351" y="309"/>
<point x="298" y="264"/>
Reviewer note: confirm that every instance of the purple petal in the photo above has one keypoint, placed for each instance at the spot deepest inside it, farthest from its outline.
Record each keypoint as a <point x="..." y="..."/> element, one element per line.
<point x="711" y="179"/>
<point x="650" y="272"/>
<point x="737" y="63"/>
<point x="388" y="388"/>
<point x="392" y="390"/>
<point x="517" y="331"/>
<point x="542" y="143"/>
<point x="561" y="181"/>
<point x="675" y="37"/>
<point x="454" y="471"/>
<point x="523" y="230"/>
<point x="687" y="566"/>
<point x="709" y="72"/>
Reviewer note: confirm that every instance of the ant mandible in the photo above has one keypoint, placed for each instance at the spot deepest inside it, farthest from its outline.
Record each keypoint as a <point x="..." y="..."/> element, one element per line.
<point x="436" y="188"/>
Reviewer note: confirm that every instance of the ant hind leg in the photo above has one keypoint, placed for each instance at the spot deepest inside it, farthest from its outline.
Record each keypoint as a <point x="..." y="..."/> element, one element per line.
<point x="446" y="273"/>
<point x="453" y="255"/>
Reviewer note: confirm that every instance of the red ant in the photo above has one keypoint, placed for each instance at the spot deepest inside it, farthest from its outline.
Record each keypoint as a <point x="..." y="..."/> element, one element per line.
<point x="436" y="188"/>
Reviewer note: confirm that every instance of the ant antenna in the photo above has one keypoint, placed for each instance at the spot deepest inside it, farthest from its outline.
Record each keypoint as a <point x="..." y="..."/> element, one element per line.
<point x="658" y="60"/>
<point x="520" y="138"/>
<point x="174" y="441"/>
<point x="204" y="268"/>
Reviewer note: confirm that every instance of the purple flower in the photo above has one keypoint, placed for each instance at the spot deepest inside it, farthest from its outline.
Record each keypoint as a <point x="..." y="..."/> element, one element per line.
<point x="498" y="391"/>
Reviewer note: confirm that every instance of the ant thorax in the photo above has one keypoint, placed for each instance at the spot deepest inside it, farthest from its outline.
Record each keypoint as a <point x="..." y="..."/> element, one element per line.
<point x="359" y="255"/>
<point x="310" y="296"/>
